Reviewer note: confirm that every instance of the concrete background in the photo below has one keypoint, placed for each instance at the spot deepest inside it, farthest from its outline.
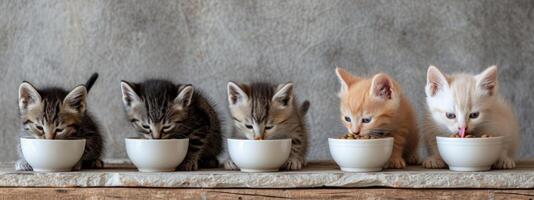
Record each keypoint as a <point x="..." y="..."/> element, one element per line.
<point x="207" y="43"/>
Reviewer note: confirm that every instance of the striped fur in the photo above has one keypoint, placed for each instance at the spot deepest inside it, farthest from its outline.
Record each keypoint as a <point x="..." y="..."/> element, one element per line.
<point x="54" y="113"/>
<point x="159" y="109"/>
<point x="267" y="111"/>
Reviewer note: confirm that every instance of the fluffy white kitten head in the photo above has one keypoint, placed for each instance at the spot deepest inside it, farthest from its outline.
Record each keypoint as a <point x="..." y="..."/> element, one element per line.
<point x="461" y="103"/>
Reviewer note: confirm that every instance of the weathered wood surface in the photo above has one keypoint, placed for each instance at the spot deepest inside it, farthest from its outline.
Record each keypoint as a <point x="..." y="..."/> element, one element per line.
<point x="317" y="175"/>
<point x="160" y="193"/>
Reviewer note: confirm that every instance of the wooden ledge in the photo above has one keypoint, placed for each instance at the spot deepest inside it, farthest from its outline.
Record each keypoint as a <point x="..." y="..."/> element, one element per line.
<point x="316" y="175"/>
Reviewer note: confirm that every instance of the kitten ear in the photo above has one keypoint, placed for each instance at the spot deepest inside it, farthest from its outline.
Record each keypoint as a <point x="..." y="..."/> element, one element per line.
<point x="129" y="96"/>
<point x="345" y="79"/>
<point x="487" y="80"/>
<point x="184" y="97"/>
<point x="75" y="100"/>
<point x="28" y="96"/>
<point x="284" y="94"/>
<point x="236" y="95"/>
<point x="382" y="87"/>
<point x="435" y="81"/>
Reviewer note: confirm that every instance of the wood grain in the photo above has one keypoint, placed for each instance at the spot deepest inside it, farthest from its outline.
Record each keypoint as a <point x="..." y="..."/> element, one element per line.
<point x="244" y="194"/>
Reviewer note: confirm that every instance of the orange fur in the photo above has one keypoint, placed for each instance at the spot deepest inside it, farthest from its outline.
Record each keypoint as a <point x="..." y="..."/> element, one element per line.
<point x="380" y="99"/>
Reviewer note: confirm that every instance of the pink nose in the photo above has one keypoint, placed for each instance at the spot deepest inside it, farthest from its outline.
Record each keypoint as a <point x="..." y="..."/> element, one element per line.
<point x="462" y="131"/>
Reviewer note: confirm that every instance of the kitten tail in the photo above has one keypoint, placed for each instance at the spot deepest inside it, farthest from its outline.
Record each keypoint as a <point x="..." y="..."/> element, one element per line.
<point x="89" y="84"/>
<point x="304" y="108"/>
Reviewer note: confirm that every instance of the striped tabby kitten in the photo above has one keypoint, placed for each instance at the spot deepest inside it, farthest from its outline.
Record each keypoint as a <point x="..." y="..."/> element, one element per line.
<point x="54" y="113"/>
<point x="266" y="111"/>
<point x="160" y="109"/>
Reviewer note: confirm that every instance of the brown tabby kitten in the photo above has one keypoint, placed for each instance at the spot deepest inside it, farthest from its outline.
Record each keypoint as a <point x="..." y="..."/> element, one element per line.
<point x="266" y="111"/>
<point x="160" y="109"/>
<point x="54" y="113"/>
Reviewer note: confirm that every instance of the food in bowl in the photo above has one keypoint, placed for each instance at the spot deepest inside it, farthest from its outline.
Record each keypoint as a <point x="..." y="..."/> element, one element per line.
<point x="456" y="135"/>
<point x="259" y="155"/>
<point x="351" y="136"/>
<point x="52" y="155"/>
<point x="470" y="154"/>
<point x="367" y="155"/>
<point x="162" y="155"/>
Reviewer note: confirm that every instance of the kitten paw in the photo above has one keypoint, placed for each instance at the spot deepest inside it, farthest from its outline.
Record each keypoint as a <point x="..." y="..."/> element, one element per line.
<point x="230" y="165"/>
<point x="504" y="163"/>
<point x="293" y="164"/>
<point x="412" y="159"/>
<point x="396" y="163"/>
<point x="433" y="162"/>
<point x="22" y="165"/>
<point x="77" y="167"/>
<point x="188" y="166"/>
<point x="93" y="164"/>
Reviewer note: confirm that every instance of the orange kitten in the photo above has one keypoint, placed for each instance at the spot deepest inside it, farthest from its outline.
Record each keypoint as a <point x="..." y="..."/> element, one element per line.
<point x="377" y="107"/>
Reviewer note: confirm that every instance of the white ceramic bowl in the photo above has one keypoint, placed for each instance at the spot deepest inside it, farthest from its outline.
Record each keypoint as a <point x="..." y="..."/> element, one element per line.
<point x="52" y="155"/>
<point x="162" y="155"/>
<point x="361" y="155"/>
<point x="259" y="155"/>
<point x="469" y="154"/>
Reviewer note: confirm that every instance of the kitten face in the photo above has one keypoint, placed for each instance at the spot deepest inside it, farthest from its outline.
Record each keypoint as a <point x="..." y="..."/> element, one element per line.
<point x="259" y="111"/>
<point x="54" y="114"/>
<point x="368" y="106"/>
<point x="460" y="103"/>
<point x="158" y="109"/>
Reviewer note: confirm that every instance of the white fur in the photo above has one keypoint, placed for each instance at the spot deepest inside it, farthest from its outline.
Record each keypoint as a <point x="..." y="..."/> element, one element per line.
<point x="462" y="95"/>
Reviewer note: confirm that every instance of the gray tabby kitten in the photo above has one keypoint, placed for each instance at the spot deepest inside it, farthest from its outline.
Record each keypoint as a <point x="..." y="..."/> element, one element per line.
<point x="266" y="111"/>
<point x="160" y="109"/>
<point x="54" y="113"/>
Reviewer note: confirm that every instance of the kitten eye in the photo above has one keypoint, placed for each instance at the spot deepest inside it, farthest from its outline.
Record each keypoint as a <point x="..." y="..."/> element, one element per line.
<point x="366" y="120"/>
<point x="450" y="115"/>
<point x="347" y="119"/>
<point x="166" y="127"/>
<point x="269" y="127"/>
<point x="145" y="126"/>
<point x="39" y="127"/>
<point x="248" y="126"/>
<point x="59" y="130"/>
<point x="474" y="115"/>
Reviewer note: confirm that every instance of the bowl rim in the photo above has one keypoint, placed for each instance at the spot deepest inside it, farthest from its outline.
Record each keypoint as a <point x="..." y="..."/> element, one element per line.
<point x="362" y="141"/>
<point x="488" y="139"/>
<point x="258" y="141"/>
<point x="154" y="140"/>
<point x="52" y="140"/>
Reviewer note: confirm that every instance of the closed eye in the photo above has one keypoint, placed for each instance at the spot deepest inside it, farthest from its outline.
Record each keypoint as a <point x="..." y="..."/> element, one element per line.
<point x="59" y="130"/>
<point x="39" y="127"/>
<point x="166" y="128"/>
<point x="269" y="127"/>
<point x="248" y="126"/>
<point x="145" y="126"/>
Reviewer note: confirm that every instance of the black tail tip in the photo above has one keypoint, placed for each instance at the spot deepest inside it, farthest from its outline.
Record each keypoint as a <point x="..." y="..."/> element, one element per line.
<point x="89" y="84"/>
<point x="305" y="107"/>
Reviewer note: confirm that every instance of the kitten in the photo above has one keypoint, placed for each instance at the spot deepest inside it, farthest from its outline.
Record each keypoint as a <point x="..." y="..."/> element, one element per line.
<point x="266" y="111"/>
<point x="463" y="103"/>
<point x="54" y="113"/>
<point x="377" y="107"/>
<point x="160" y="109"/>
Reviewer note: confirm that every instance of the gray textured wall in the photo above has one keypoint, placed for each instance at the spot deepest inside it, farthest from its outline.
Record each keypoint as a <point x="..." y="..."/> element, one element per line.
<point x="210" y="42"/>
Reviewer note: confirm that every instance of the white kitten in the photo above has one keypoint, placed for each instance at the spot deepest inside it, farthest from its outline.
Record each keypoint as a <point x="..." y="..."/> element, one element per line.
<point x="463" y="103"/>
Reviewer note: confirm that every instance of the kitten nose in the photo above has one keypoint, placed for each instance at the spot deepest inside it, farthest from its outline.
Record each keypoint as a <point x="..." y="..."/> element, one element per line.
<point x="355" y="131"/>
<point x="462" y="131"/>
<point x="156" y="135"/>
